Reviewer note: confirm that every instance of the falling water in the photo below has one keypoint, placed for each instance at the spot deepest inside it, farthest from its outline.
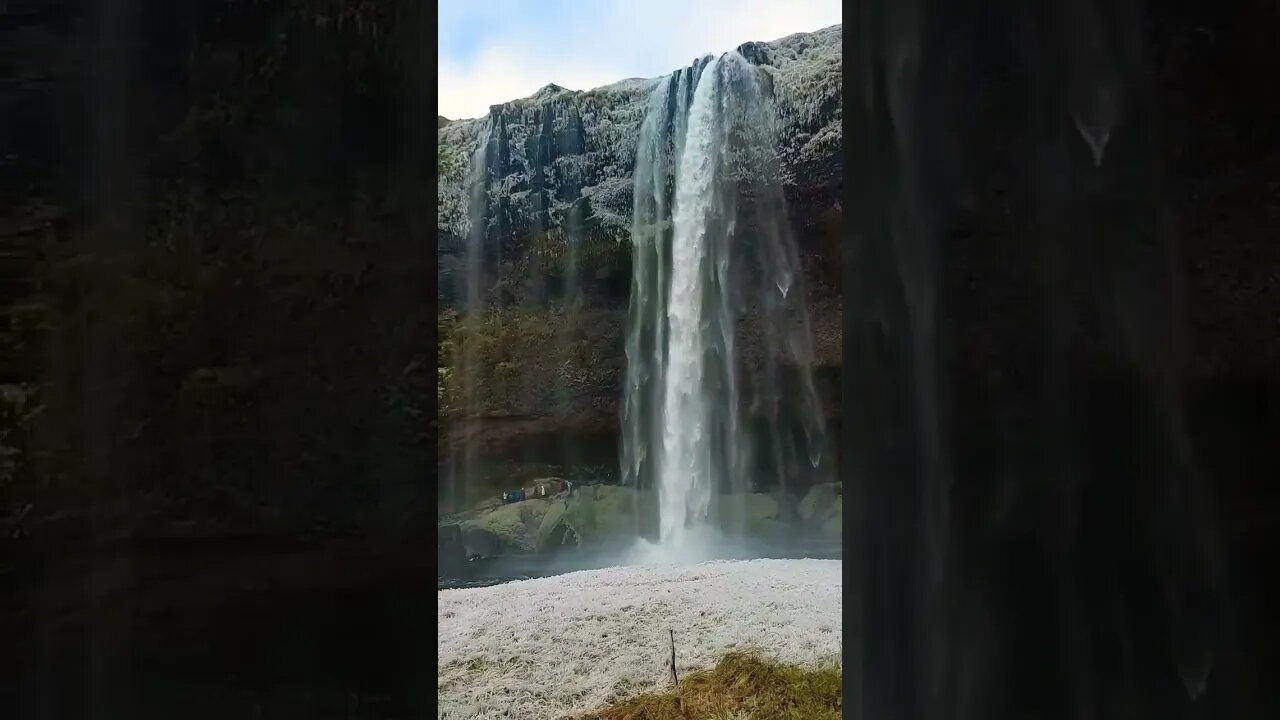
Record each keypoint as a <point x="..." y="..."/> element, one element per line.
<point x="473" y="306"/>
<point x="713" y="253"/>
<point x="685" y="489"/>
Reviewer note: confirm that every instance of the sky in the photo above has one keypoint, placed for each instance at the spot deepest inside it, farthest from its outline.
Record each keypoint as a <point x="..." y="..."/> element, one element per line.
<point x="494" y="51"/>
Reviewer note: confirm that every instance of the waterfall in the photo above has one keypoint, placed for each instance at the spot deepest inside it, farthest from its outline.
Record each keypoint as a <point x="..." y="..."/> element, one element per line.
<point x="687" y="464"/>
<point x="713" y="253"/>
<point x="462" y="465"/>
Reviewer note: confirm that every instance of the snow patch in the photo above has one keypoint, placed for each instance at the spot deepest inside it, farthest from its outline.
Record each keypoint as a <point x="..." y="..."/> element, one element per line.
<point x="553" y="647"/>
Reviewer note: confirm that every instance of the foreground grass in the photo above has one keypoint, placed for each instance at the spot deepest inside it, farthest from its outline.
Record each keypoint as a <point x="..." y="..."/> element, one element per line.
<point x="740" y="687"/>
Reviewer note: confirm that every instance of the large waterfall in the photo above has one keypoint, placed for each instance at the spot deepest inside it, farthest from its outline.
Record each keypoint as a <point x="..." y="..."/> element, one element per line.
<point x="707" y="419"/>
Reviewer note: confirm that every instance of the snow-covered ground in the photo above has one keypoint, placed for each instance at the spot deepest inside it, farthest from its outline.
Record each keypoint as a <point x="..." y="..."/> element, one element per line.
<point x="552" y="647"/>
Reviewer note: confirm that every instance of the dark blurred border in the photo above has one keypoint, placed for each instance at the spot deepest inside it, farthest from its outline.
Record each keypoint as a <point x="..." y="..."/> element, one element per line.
<point x="1060" y="374"/>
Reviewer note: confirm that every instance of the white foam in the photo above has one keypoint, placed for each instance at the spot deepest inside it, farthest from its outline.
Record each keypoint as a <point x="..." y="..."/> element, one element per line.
<point x="685" y="484"/>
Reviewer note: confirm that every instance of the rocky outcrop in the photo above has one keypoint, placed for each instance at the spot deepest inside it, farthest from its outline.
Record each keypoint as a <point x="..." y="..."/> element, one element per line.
<point x="563" y="160"/>
<point x="558" y="174"/>
<point x="611" y="517"/>
<point x="821" y="503"/>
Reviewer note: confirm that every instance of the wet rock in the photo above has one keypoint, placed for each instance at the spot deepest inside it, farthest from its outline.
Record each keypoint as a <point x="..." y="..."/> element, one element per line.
<point x="760" y="506"/>
<point x="552" y="531"/>
<point x="833" y="528"/>
<point x="748" y="512"/>
<point x="820" y="503"/>
<point x="772" y="531"/>
<point x="514" y="524"/>
<point x="451" y="552"/>
<point x="596" y="516"/>
<point x="479" y="542"/>
<point x="564" y="159"/>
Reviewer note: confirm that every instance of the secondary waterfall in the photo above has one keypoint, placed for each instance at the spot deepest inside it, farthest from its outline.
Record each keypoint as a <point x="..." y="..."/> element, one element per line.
<point x="470" y="291"/>
<point x="705" y="417"/>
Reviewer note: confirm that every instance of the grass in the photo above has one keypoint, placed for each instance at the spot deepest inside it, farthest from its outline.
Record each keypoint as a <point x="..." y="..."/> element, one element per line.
<point x="741" y="687"/>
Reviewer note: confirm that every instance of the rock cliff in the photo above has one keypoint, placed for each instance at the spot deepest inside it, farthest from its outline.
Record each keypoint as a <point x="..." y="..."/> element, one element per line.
<point x="559" y="178"/>
<point x="561" y="158"/>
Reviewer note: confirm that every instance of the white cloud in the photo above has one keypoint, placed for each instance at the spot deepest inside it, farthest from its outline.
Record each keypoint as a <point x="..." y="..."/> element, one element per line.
<point x="499" y="73"/>
<point x="596" y="44"/>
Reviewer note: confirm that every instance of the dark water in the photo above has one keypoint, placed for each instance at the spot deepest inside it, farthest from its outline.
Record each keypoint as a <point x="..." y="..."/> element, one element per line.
<point x="483" y="572"/>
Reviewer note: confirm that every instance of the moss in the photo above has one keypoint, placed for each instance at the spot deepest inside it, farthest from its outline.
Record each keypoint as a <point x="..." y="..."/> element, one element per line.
<point x="449" y="162"/>
<point x="597" y="248"/>
<point x="501" y="353"/>
<point x="770" y="529"/>
<point x="551" y="530"/>
<point x="754" y="514"/>
<point x="761" y="506"/>
<point x="819" y="503"/>
<point x="493" y="337"/>
<point x="515" y="523"/>
<point x="602" y="510"/>
<point x="741" y="687"/>
<point x="594" y="516"/>
<point x="834" y="526"/>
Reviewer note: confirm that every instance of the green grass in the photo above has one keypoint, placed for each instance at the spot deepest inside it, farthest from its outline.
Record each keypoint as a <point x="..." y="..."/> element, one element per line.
<point x="740" y="687"/>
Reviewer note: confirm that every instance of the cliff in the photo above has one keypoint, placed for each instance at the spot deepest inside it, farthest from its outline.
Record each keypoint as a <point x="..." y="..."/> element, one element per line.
<point x="559" y="166"/>
<point x="562" y="157"/>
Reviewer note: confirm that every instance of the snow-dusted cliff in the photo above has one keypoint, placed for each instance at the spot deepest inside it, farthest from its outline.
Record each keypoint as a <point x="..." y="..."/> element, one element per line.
<point x="564" y="157"/>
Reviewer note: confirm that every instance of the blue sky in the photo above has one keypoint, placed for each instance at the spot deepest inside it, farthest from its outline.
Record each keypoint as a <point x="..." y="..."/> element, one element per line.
<point x="492" y="51"/>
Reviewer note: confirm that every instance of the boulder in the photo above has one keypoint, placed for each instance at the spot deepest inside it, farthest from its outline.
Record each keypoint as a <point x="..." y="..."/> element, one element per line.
<point x="595" y="516"/>
<point x="747" y="512"/>
<point x="772" y="531"/>
<point x="833" y="528"/>
<point x="479" y="542"/>
<point x="758" y="507"/>
<point x="551" y="525"/>
<point x="820" y="503"/>
<point x="515" y="524"/>
<point x="451" y="552"/>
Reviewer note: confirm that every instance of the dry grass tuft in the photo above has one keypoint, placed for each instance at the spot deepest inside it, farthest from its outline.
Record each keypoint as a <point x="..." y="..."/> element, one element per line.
<point x="740" y="687"/>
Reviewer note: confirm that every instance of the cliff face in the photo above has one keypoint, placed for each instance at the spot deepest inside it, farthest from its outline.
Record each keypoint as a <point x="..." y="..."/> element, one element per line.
<point x="561" y="151"/>
<point x="562" y="158"/>
<point x="559" y="171"/>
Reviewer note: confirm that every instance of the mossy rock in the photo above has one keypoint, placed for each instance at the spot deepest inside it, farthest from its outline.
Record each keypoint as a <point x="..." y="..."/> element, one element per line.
<point x="479" y="542"/>
<point x="551" y="531"/>
<point x="819" y="503"/>
<point x="758" y="507"/>
<point x="515" y="524"/>
<point x="602" y="511"/>
<point x="772" y="530"/>
<point x="593" y="516"/>
<point x="745" y="512"/>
